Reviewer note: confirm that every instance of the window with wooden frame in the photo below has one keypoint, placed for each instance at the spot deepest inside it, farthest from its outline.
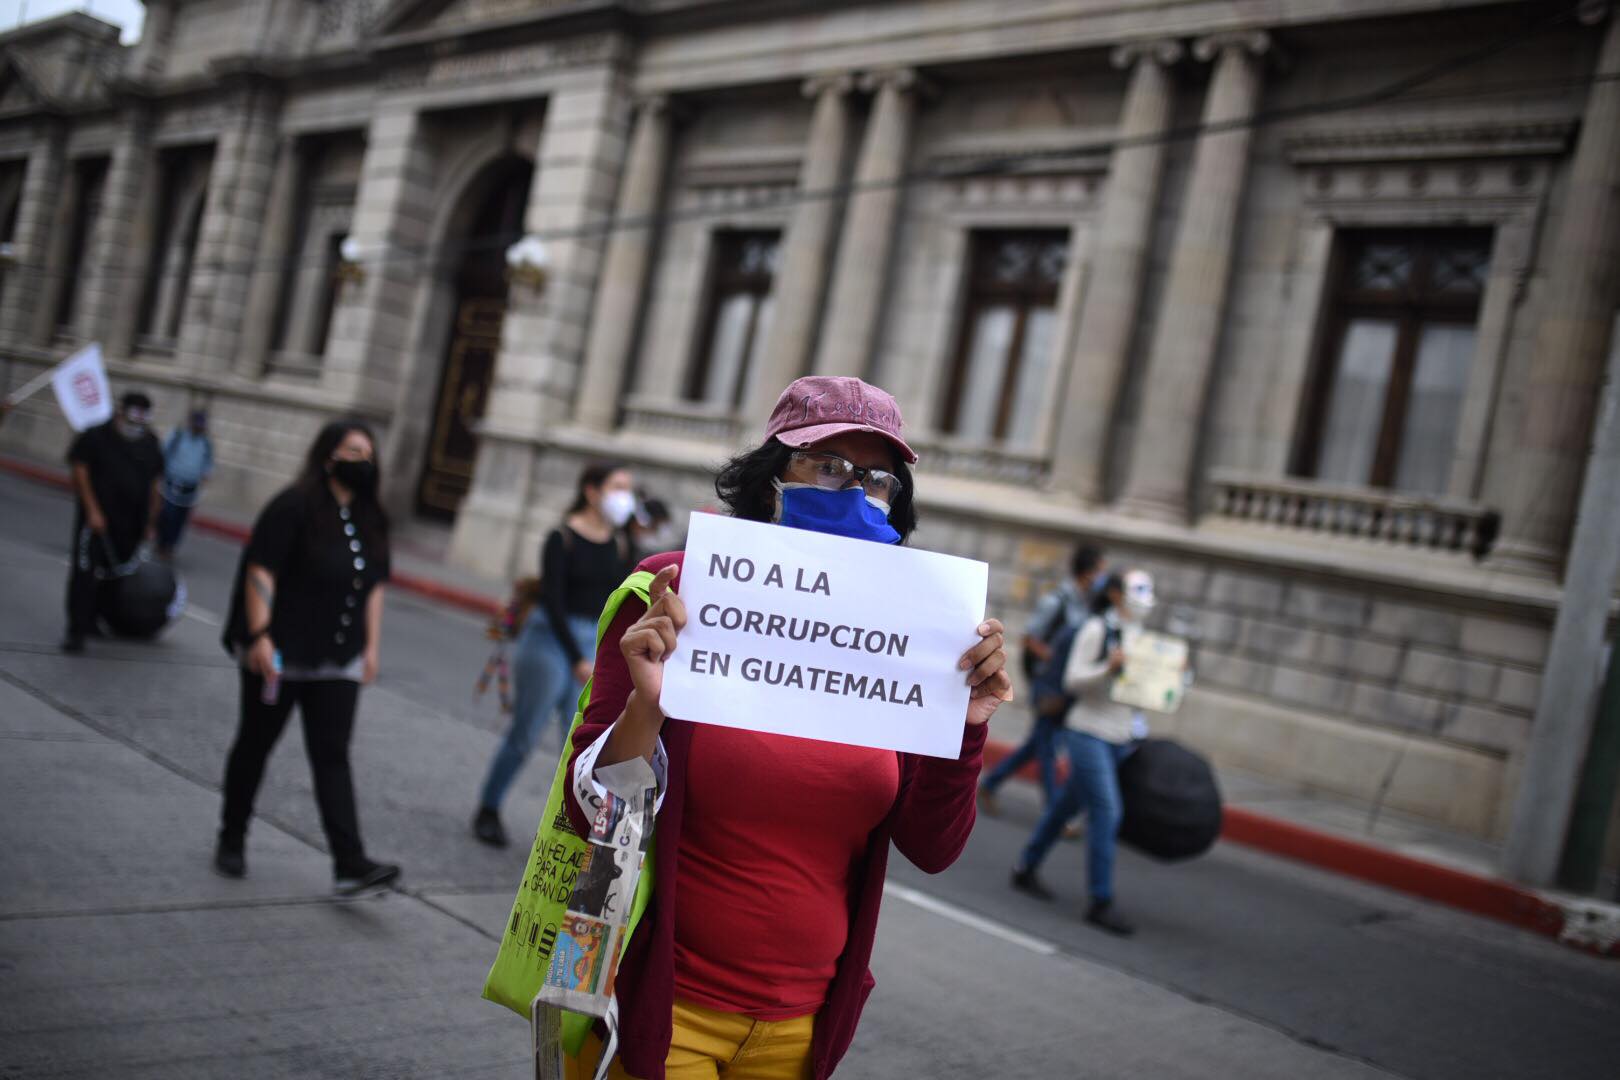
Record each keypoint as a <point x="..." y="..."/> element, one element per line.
<point x="1397" y="346"/>
<point x="1005" y="349"/>
<point x="742" y="271"/>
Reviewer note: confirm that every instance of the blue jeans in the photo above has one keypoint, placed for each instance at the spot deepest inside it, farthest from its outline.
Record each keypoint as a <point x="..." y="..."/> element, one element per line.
<point x="1040" y="745"/>
<point x="543" y="687"/>
<point x="1093" y="786"/>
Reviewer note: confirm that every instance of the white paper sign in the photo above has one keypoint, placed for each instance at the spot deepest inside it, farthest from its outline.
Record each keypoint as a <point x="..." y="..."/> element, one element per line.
<point x="799" y="633"/>
<point x="81" y="388"/>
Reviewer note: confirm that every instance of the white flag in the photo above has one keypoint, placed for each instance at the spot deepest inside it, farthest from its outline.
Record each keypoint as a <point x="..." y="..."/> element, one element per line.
<point x="81" y="388"/>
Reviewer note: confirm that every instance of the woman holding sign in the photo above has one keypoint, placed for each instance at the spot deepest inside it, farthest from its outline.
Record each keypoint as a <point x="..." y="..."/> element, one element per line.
<point x="751" y="958"/>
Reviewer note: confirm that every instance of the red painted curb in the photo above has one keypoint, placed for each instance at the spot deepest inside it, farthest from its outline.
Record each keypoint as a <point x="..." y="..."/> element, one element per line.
<point x="1476" y="893"/>
<point x="451" y="595"/>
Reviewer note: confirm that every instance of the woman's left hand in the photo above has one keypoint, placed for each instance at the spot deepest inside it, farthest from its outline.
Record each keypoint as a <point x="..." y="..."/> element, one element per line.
<point x="368" y="667"/>
<point x="986" y="665"/>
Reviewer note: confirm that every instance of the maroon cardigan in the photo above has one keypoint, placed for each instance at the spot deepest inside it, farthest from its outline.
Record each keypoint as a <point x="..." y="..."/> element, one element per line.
<point x="932" y="816"/>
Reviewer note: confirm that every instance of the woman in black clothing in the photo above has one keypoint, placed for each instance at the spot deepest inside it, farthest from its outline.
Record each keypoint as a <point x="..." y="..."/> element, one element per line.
<point x="581" y="562"/>
<point x="305" y="624"/>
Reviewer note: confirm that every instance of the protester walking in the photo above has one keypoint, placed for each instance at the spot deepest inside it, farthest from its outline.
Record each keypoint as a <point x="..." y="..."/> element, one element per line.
<point x="305" y="625"/>
<point x="1100" y="734"/>
<point x="188" y="462"/>
<point x="1064" y="608"/>
<point x="116" y="469"/>
<point x="751" y="958"/>
<point x="581" y="562"/>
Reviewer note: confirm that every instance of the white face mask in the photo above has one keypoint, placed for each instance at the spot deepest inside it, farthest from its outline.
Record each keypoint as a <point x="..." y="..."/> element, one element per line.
<point x="618" y="506"/>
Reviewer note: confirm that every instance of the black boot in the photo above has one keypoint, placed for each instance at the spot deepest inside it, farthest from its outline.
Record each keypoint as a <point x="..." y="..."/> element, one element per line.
<point x="1104" y="916"/>
<point x="488" y="828"/>
<point x="1025" y="881"/>
<point x="229" y="858"/>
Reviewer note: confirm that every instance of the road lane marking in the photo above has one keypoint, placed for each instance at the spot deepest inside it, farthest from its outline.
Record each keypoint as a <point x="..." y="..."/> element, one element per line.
<point x="203" y="615"/>
<point x="964" y="917"/>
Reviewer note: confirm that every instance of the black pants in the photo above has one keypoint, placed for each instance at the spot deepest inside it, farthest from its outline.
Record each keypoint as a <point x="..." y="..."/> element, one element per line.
<point x="327" y="710"/>
<point x="89" y="554"/>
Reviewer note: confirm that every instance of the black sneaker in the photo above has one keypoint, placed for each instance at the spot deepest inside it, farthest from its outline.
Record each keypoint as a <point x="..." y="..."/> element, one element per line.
<point x="363" y="876"/>
<point x="229" y="859"/>
<point x="1104" y="916"/>
<point x="488" y="828"/>
<point x="1025" y="881"/>
<point x="72" y="643"/>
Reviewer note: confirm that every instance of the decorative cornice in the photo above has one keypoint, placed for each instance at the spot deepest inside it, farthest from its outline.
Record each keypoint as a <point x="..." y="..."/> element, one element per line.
<point x="1528" y="138"/>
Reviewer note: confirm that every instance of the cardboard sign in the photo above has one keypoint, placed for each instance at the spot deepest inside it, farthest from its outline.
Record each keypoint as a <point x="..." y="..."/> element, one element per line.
<point x="81" y="388"/>
<point x="799" y="633"/>
<point x="1155" y="672"/>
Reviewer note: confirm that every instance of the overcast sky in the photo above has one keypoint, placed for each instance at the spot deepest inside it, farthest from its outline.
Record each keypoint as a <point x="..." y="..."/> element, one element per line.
<point x="125" y="13"/>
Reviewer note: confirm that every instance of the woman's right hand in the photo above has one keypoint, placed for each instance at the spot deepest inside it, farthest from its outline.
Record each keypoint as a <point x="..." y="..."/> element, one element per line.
<point x="1116" y="660"/>
<point x="650" y="640"/>
<point x="261" y="657"/>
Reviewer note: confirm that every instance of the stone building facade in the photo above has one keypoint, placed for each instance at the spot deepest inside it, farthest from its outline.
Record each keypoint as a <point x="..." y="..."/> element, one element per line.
<point x="1301" y="305"/>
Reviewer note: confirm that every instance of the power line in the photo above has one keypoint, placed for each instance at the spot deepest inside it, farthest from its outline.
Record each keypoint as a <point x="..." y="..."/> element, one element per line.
<point x="989" y="165"/>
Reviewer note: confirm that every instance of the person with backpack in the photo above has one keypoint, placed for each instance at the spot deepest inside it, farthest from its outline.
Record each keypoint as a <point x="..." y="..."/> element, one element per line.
<point x="581" y="562"/>
<point x="1063" y="608"/>
<point x="767" y="864"/>
<point x="1100" y="734"/>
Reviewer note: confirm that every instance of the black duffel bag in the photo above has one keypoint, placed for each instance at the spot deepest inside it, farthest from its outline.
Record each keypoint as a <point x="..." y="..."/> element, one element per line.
<point x="1172" y="803"/>
<point x="138" y="598"/>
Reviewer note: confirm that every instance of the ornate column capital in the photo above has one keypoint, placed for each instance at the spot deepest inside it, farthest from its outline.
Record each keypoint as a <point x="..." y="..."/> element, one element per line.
<point x="905" y="80"/>
<point x="1253" y="42"/>
<point x="1162" y="51"/>
<point x="832" y="82"/>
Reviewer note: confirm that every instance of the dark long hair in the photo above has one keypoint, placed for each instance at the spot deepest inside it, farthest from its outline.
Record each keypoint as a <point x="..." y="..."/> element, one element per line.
<point x="593" y="475"/>
<point x="1101" y="600"/>
<point x="744" y="486"/>
<point x="368" y="514"/>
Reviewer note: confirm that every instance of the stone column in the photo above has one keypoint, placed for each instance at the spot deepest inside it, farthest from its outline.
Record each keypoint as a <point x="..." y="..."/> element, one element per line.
<point x="62" y="203"/>
<point x="809" y="245"/>
<point x="621" y="293"/>
<point x="393" y="209"/>
<point x="850" y="327"/>
<point x="543" y="337"/>
<point x="25" y="289"/>
<point x="1189" y="323"/>
<point x="272" y="265"/>
<point x="1566" y="365"/>
<point x="232" y="223"/>
<point x="113" y="265"/>
<point x="1118" y="266"/>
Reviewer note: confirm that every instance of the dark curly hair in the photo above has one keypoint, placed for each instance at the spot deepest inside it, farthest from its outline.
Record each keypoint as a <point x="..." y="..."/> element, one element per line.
<point x="744" y="486"/>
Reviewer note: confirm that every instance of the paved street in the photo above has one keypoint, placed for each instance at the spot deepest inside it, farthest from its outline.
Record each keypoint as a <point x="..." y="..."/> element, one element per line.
<point x="122" y="954"/>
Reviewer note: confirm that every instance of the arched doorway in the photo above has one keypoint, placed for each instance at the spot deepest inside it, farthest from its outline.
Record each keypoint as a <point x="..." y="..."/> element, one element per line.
<point x="497" y="199"/>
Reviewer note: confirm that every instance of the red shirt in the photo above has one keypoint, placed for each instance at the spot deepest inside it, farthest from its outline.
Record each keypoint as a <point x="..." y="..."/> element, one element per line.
<point x="929" y="823"/>
<point x="775" y="825"/>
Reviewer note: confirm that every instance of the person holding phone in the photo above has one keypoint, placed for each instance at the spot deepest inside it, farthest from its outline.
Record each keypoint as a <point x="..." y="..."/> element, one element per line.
<point x="306" y="627"/>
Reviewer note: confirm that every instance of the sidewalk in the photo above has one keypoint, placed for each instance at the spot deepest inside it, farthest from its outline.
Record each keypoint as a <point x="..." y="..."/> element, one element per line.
<point x="1314" y="827"/>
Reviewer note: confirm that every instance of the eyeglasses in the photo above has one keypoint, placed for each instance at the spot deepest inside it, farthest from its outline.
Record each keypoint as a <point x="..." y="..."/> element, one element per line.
<point x="833" y="473"/>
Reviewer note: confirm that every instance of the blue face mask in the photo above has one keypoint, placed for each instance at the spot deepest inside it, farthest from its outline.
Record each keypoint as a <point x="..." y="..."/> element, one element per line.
<point x="840" y="513"/>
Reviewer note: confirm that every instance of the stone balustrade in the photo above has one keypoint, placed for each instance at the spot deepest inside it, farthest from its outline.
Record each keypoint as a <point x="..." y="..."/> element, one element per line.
<point x="1306" y="506"/>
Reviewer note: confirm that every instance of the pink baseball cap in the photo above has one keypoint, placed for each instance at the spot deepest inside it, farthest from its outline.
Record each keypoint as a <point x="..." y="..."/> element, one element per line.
<point x="818" y="407"/>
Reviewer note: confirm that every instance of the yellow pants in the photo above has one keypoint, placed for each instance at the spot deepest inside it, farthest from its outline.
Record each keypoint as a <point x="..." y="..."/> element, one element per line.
<point x="709" y="1044"/>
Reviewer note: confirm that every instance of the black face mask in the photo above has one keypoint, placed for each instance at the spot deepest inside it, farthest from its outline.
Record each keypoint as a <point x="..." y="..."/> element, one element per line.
<point x="359" y="477"/>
